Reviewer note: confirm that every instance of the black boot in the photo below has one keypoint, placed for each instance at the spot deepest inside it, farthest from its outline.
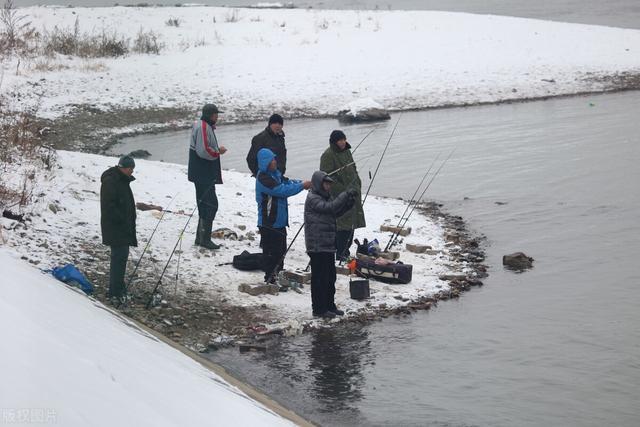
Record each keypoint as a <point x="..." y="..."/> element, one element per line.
<point x="205" y="236"/>
<point x="198" y="235"/>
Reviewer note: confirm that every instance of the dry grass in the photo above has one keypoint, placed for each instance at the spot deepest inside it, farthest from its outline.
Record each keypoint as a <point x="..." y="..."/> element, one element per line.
<point x="147" y="42"/>
<point x="17" y="36"/>
<point x="72" y="42"/>
<point x="232" y="17"/>
<point x="173" y="22"/>
<point x="23" y="157"/>
<point x="48" y="65"/>
<point x="93" y="66"/>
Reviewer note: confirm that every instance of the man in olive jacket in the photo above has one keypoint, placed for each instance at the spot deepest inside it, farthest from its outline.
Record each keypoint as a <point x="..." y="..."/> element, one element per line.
<point x="118" y="221"/>
<point x="272" y="137"/>
<point x="337" y="157"/>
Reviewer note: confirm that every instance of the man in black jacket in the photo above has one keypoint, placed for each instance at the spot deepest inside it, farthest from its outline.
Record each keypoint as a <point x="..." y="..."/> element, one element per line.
<point x="118" y="221"/>
<point x="272" y="137"/>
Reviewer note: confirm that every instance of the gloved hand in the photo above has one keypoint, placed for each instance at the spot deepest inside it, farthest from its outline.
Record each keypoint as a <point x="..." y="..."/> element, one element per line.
<point x="352" y="193"/>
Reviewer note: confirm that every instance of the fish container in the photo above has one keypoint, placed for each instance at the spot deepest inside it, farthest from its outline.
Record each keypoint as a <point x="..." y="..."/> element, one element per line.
<point x="359" y="289"/>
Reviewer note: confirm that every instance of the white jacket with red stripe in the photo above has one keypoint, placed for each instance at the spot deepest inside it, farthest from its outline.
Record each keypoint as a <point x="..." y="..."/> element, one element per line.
<point x="204" y="155"/>
<point x="204" y="141"/>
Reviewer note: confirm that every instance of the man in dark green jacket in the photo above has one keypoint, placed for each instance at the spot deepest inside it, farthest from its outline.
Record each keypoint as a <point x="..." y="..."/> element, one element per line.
<point x="337" y="157"/>
<point x="118" y="221"/>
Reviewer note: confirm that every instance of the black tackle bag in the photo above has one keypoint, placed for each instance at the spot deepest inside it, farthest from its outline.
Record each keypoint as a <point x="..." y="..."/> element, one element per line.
<point x="390" y="273"/>
<point x="247" y="261"/>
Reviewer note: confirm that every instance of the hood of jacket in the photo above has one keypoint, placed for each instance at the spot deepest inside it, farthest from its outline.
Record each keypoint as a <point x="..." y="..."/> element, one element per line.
<point x="265" y="156"/>
<point x="316" y="183"/>
<point x="114" y="173"/>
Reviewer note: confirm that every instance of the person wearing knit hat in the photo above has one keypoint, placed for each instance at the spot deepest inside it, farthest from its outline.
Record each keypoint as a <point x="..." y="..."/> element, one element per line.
<point x="205" y="171"/>
<point x="118" y="222"/>
<point x="127" y="162"/>
<point x="272" y="137"/>
<point x="336" y="157"/>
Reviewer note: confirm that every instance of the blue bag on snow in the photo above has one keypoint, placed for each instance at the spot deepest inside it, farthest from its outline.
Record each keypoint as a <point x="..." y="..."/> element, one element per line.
<point x="70" y="275"/>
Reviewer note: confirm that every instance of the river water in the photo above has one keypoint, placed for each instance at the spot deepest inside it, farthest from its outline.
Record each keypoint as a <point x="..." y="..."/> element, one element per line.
<point x="615" y="13"/>
<point x="557" y="345"/>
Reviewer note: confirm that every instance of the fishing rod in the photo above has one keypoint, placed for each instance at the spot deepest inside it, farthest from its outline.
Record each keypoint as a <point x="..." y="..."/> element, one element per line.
<point x="363" y="139"/>
<point x="284" y="255"/>
<point x="372" y="179"/>
<point x="349" y="164"/>
<point x="381" y="157"/>
<point x="135" y="269"/>
<point x="164" y="270"/>
<point x="397" y="233"/>
<point x="159" y="282"/>
<point x="351" y="233"/>
<point x="413" y="198"/>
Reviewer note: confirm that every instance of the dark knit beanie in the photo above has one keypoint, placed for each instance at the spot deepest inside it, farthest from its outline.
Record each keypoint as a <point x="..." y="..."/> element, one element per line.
<point x="336" y="136"/>
<point x="126" y="162"/>
<point x="276" y="118"/>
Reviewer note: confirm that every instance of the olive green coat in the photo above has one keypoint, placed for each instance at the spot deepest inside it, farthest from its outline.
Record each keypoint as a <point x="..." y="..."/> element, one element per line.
<point x="346" y="178"/>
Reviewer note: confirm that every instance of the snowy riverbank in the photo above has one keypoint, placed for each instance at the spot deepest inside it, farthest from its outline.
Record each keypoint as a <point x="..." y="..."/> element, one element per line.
<point x="309" y="62"/>
<point x="70" y="361"/>
<point x="205" y="297"/>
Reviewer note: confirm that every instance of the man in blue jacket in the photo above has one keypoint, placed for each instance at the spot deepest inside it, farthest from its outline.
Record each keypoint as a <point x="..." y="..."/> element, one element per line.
<point x="272" y="191"/>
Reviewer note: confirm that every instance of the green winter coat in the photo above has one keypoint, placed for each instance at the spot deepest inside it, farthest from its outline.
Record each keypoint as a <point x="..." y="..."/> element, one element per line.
<point x="331" y="160"/>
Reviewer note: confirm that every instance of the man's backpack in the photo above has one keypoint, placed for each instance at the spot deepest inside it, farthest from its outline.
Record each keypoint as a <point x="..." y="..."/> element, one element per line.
<point x="247" y="261"/>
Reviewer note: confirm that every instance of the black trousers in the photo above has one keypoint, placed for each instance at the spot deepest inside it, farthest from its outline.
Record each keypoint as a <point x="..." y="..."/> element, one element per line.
<point x="117" y="269"/>
<point x="323" y="282"/>
<point x="207" y="200"/>
<point x="344" y="240"/>
<point x="274" y="245"/>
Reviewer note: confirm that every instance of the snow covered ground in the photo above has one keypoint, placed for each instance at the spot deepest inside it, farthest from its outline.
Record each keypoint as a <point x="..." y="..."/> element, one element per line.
<point x="72" y="235"/>
<point x="254" y="61"/>
<point x="70" y="361"/>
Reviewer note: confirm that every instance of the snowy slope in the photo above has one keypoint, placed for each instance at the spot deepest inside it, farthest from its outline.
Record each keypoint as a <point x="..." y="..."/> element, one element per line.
<point x="313" y="62"/>
<point x="67" y="360"/>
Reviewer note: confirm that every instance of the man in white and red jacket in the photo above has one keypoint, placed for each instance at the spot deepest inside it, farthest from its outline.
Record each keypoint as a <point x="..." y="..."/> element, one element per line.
<point x="205" y="172"/>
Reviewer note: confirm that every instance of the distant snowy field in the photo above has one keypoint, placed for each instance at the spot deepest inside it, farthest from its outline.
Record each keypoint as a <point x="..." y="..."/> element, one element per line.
<point x="65" y="362"/>
<point x="313" y="62"/>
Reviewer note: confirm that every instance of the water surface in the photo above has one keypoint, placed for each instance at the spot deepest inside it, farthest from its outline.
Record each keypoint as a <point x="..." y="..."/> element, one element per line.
<point x="558" y="345"/>
<point x="615" y="13"/>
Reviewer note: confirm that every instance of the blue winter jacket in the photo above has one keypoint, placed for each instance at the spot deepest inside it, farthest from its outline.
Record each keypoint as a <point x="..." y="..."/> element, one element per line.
<point x="272" y="192"/>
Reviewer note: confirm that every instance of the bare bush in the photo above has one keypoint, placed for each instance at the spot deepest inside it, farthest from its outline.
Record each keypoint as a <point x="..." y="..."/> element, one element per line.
<point x="172" y="22"/>
<point x="233" y="16"/>
<point x="200" y="42"/>
<point x="17" y="36"/>
<point x="23" y="157"/>
<point x="46" y="65"/>
<point x="89" y="66"/>
<point x="70" y="41"/>
<point x="322" y="25"/>
<point x="147" y="42"/>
